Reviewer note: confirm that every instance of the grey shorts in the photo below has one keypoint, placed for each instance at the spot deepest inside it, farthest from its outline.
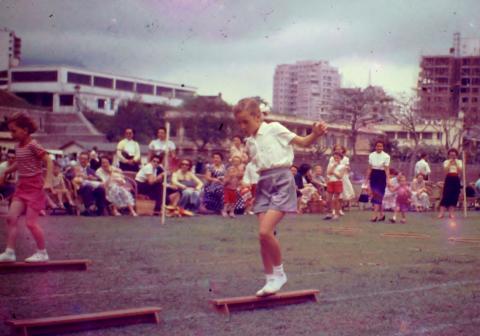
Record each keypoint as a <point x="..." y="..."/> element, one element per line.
<point x="276" y="190"/>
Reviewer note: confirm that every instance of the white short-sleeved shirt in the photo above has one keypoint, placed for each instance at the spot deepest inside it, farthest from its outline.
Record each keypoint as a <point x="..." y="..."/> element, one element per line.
<point x="345" y="161"/>
<point x="158" y="146"/>
<point x="422" y="167"/>
<point x="379" y="160"/>
<point x="454" y="169"/>
<point x="270" y="147"/>
<point x="338" y="170"/>
<point x="250" y="176"/>
<point x="146" y="170"/>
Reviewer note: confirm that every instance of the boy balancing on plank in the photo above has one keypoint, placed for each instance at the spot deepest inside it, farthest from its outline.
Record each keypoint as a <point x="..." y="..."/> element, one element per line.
<point x="270" y="148"/>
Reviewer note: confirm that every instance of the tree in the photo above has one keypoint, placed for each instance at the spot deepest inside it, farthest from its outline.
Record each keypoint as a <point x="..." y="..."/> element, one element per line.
<point x="358" y="107"/>
<point x="208" y="120"/>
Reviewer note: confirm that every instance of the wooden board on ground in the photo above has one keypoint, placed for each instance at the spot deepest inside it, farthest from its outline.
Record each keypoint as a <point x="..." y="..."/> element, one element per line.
<point x="69" y="323"/>
<point x="405" y="235"/>
<point x="52" y="265"/>
<point x="228" y="305"/>
<point x="470" y="240"/>
<point x="342" y="230"/>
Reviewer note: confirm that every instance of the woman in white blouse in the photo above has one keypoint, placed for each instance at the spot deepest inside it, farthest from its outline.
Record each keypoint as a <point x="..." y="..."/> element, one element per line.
<point x="378" y="174"/>
<point x="451" y="188"/>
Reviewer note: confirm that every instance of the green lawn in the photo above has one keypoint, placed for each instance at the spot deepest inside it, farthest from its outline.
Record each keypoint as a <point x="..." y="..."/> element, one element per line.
<point x="369" y="284"/>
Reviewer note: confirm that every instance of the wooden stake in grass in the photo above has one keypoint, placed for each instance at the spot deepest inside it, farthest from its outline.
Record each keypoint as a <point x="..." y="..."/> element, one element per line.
<point x="165" y="170"/>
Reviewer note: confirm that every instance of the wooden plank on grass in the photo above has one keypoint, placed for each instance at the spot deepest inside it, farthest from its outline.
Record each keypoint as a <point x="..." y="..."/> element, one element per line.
<point x="227" y="305"/>
<point x="70" y="323"/>
<point x="465" y="240"/>
<point x="405" y="235"/>
<point x="52" y="265"/>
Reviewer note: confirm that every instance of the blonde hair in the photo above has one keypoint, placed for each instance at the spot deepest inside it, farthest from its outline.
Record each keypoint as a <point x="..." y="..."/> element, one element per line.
<point x="250" y="105"/>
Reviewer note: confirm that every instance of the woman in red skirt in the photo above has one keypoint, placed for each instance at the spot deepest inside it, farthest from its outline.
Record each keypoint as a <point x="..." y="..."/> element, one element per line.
<point x="29" y="197"/>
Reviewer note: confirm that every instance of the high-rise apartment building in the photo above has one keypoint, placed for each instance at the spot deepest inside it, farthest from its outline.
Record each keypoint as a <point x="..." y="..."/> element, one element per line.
<point x="305" y="89"/>
<point x="450" y="84"/>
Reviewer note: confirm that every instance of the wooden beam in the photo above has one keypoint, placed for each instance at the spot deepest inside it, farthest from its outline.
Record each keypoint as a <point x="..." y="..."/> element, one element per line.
<point x="53" y="265"/>
<point x="228" y="305"/>
<point x="69" y="323"/>
<point x="470" y="240"/>
<point x="405" y="235"/>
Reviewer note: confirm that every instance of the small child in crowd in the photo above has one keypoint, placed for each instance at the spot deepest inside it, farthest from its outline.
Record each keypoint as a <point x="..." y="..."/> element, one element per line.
<point x="249" y="182"/>
<point x="364" y="196"/>
<point x="403" y="200"/>
<point x="335" y="172"/>
<point x="231" y="183"/>
<point x="59" y="190"/>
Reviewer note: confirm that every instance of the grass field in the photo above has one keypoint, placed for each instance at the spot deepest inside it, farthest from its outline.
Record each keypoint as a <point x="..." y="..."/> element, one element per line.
<point x="369" y="284"/>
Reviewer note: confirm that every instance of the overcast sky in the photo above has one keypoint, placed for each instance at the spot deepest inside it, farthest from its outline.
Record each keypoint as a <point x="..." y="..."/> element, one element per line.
<point x="233" y="46"/>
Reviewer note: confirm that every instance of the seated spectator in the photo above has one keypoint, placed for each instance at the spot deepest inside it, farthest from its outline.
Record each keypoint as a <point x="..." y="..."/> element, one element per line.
<point x="128" y="152"/>
<point x="94" y="159"/>
<point x="89" y="187"/>
<point x="149" y="180"/>
<point x="189" y="185"/>
<point x="213" y="190"/>
<point x="420" y="198"/>
<point x="294" y="170"/>
<point x="160" y="144"/>
<point x="59" y="192"/>
<point x="318" y="180"/>
<point x="7" y="186"/>
<point x="115" y="186"/>
<point x="305" y="189"/>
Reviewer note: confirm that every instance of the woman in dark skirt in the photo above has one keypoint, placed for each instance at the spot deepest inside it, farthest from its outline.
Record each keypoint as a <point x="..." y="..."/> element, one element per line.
<point x="213" y="189"/>
<point x="451" y="188"/>
<point x="378" y="175"/>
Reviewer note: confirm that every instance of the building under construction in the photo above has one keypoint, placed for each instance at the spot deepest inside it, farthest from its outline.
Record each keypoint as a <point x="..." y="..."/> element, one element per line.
<point x="450" y="84"/>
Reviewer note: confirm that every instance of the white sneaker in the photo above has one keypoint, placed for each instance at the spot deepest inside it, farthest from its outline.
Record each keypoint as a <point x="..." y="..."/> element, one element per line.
<point x="275" y="284"/>
<point x="341" y="213"/>
<point x="39" y="256"/>
<point x="7" y="257"/>
<point x="261" y="291"/>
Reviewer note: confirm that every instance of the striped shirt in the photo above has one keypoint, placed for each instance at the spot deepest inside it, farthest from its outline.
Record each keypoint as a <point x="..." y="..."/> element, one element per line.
<point x="30" y="159"/>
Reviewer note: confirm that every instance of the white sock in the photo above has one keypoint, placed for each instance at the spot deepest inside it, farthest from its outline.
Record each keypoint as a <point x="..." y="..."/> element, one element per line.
<point x="9" y="250"/>
<point x="44" y="251"/>
<point x="278" y="270"/>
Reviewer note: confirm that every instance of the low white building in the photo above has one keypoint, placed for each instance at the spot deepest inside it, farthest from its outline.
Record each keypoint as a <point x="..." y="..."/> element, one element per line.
<point x="66" y="89"/>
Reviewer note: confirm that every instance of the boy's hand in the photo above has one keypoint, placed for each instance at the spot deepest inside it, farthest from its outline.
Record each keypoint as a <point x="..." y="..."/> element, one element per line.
<point x="320" y="128"/>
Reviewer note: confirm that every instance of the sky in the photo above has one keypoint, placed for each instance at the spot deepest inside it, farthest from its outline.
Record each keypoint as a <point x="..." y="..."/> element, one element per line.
<point x="233" y="47"/>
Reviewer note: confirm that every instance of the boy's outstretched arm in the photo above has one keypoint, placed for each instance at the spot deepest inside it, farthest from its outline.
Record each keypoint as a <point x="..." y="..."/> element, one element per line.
<point x="319" y="129"/>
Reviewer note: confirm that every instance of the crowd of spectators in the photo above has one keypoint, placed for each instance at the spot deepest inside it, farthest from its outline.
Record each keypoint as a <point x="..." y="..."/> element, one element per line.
<point x="96" y="185"/>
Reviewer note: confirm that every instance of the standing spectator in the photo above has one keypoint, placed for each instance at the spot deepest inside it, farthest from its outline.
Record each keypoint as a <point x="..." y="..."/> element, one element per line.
<point x="238" y="149"/>
<point x="160" y="144"/>
<point x="422" y="167"/>
<point x="231" y="183"/>
<point x="7" y="188"/>
<point x="420" y="198"/>
<point x="213" y="190"/>
<point x="348" y="193"/>
<point x="189" y="185"/>
<point x="128" y="152"/>
<point x="335" y="171"/>
<point x="150" y="182"/>
<point x="249" y="182"/>
<point x="89" y="187"/>
<point x="403" y="199"/>
<point x="451" y="188"/>
<point x="116" y="187"/>
<point x="378" y="174"/>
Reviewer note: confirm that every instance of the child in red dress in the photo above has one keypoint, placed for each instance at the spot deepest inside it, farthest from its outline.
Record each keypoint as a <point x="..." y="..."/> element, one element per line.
<point x="29" y="197"/>
<point x="231" y="183"/>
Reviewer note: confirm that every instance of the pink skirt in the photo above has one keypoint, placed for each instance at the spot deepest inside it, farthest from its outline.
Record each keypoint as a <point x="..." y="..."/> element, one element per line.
<point x="29" y="190"/>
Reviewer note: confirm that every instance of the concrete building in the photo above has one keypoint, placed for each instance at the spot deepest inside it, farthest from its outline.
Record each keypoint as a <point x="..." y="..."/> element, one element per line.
<point x="305" y="89"/>
<point x="66" y="89"/>
<point x="10" y="50"/>
<point x="448" y="84"/>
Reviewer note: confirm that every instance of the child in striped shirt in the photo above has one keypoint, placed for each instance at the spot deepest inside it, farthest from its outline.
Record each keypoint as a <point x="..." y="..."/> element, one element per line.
<point x="29" y="197"/>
